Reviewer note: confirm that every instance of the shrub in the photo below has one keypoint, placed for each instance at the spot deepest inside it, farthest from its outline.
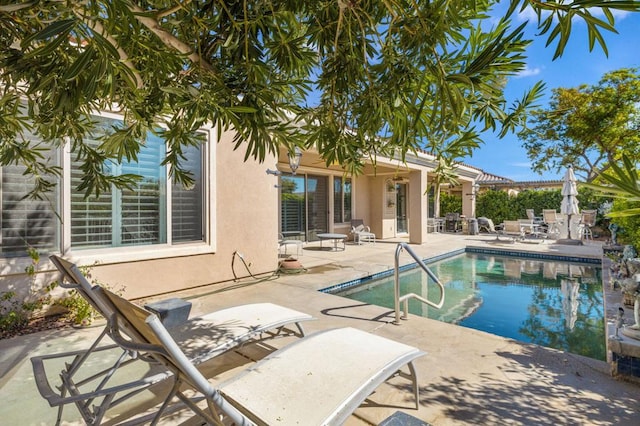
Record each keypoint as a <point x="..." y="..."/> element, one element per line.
<point x="15" y="311"/>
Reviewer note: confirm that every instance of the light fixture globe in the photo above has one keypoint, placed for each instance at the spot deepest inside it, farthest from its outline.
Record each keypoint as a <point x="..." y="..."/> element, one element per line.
<point x="294" y="159"/>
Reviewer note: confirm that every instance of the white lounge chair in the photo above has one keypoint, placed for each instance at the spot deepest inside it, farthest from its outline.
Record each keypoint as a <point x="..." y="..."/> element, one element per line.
<point x="317" y="380"/>
<point x="361" y="233"/>
<point x="206" y="336"/>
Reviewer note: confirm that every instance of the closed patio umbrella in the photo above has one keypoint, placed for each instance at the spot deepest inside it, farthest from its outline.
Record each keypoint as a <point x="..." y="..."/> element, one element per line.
<point x="569" y="204"/>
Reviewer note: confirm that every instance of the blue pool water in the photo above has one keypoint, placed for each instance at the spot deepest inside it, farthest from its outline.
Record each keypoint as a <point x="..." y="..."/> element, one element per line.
<point x="549" y="303"/>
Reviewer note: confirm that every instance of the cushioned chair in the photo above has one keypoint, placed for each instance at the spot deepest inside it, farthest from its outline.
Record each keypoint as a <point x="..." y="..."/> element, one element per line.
<point x="317" y="380"/>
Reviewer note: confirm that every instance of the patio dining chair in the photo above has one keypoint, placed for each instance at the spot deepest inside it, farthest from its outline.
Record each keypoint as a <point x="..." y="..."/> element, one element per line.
<point x="553" y="222"/>
<point x="93" y="392"/>
<point x="318" y="380"/>
<point x="511" y="229"/>
<point x="531" y="215"/>
<point x="587" y="221"/>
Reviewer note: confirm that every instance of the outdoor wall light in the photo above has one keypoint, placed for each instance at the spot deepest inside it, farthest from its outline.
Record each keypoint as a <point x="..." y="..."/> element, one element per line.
<point x="294" y="159"/>
<point x="294" y="162"/>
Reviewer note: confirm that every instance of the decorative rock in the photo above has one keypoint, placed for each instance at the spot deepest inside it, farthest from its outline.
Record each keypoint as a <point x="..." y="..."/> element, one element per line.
<point x="629" y="252"/>
<point x="630" y="332"/>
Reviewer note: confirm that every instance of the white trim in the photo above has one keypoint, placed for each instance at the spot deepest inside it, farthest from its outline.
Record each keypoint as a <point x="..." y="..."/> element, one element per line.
<point x="65" y="197"/>
<point x="211" y="189"/>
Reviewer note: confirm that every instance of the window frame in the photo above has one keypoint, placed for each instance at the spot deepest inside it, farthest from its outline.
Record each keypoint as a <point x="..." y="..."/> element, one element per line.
<point x="151" y="251"/>
<point x="342" y="197"/>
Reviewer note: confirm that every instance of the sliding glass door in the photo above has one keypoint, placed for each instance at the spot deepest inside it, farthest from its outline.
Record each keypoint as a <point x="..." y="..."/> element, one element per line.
<point x="304" y="206"/>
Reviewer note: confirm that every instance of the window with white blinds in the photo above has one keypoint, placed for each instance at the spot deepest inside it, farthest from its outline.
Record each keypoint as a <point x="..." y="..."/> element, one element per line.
<point x="122" y="217"/>
<point x="26" y="222"/>
<point x="154" y="211"/>
<point x="139" y="216"/>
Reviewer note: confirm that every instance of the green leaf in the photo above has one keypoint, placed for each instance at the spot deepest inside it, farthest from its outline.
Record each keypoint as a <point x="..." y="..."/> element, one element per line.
<point x="61" y="28"/>
<point x="80" y="64"/>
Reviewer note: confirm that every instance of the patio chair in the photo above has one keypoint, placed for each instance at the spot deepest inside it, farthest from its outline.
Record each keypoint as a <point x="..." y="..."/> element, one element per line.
<point x="587" y="220"/>
<point x="283" y="243"/>
<point x="319" y="379"/>
<point x="531" y="215"/>
<point x="553" y="222"/>
<point x="361" y="233"/>
<point x="435" y="225"/>
<point x="511" y="229"/>
<point x="216" y="333"/>
<point x="486" y="224"/>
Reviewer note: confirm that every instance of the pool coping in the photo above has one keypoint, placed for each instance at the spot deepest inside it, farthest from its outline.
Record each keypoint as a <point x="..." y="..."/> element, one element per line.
<point x="336" y="288"/>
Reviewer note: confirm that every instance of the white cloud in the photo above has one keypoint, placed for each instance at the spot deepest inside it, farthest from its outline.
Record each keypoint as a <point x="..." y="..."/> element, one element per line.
<point x="522" y="164"/>
<point x="529" y="72"/>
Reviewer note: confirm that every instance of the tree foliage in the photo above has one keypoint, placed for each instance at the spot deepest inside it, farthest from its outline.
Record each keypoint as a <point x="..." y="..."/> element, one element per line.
<point x="499" y="206"/>
<point x="589" y="127"/>
<point x="396" y="71"/>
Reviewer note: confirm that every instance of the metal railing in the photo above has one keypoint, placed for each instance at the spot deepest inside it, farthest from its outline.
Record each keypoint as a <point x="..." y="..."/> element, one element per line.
<point x="405" y="298"/>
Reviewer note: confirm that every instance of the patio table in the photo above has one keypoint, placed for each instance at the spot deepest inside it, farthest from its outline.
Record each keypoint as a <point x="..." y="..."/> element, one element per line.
<point x="335" y="238"/>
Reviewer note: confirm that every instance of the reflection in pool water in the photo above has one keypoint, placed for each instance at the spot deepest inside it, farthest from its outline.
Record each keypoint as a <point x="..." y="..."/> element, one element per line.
<point x="549" y="303"/>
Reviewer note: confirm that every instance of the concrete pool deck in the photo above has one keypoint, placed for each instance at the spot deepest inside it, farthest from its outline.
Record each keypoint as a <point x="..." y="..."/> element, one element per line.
<point x="467" y="376"/>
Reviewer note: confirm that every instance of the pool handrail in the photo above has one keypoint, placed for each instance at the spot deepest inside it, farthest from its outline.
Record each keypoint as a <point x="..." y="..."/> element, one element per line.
<point x="405" y="298"/>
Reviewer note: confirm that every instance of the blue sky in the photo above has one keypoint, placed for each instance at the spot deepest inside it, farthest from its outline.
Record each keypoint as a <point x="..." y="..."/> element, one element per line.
<point x="506" y="157"/>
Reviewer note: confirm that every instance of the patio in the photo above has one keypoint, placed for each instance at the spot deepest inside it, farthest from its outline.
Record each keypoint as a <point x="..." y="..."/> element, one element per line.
<point x="467" y="376"/>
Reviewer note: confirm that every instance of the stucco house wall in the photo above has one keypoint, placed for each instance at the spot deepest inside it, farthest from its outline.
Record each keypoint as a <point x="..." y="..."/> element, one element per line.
<point x="246" y="218"/>
<point x="243" y="204"/>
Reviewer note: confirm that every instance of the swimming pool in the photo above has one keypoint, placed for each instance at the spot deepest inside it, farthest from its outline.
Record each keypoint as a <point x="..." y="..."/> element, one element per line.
<point x="556" y="304"/>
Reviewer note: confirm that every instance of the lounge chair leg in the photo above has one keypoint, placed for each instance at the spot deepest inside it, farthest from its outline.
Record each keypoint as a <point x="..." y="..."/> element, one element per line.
<point x="416" y="388"/>
<point x="414" y="381"/>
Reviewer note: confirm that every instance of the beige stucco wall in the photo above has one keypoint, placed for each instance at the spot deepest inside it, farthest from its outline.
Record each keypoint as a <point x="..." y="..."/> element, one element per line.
<point x="246" y="218"/>
<point x="245" y="202"/>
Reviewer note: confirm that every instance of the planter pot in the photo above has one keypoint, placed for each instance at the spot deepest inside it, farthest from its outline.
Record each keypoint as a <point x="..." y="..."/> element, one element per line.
<point x="291" y="266"/>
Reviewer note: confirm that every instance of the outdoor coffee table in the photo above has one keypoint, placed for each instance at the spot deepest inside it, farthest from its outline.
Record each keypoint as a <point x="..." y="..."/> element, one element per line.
<point x="335" y="237"/>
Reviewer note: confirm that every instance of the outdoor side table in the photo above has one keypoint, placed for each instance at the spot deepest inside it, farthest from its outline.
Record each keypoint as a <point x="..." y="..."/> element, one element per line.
<point x="335" y="237"/>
